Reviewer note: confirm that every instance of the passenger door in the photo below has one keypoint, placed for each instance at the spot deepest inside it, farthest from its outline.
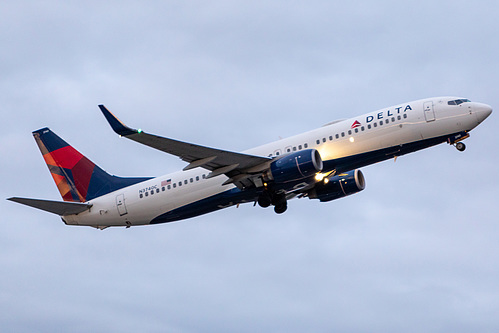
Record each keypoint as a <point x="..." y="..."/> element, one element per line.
<point x="429" y="113"/>
<point x="120" y="204"/>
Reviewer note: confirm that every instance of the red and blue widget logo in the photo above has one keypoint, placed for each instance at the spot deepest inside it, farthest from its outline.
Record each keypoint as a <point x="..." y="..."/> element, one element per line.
<point x="355" y="124"/>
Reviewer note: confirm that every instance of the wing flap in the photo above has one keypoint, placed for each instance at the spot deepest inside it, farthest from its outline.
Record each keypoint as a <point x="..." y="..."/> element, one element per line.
<point x="60" y="208"/>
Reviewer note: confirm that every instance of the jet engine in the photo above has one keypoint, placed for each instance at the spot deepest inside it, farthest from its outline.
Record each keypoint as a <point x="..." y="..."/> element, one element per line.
<point x="295" y="166"/>
<point x="338" y="186"/>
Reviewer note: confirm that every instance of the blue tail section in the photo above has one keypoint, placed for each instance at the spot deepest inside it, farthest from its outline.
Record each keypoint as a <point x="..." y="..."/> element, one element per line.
<point x="77" y="178"/>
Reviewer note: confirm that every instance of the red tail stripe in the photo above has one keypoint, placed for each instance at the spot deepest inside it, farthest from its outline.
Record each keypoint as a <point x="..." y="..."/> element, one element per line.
<point x="66" y="157"/>
<point x="82" y="173"/>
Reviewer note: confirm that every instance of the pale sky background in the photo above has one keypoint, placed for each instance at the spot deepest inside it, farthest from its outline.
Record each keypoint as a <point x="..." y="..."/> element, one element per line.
<point x="417" y="251"/>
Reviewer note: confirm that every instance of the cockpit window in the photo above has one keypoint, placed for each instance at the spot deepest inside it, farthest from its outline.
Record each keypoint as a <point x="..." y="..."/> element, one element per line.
<point x="458" y="101"/>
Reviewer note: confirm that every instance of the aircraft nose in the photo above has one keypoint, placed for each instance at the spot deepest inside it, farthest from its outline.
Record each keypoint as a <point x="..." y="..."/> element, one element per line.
<point x="482" y="111"/>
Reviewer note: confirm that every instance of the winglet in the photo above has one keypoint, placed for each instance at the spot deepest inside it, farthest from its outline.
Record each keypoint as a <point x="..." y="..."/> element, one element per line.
<point x="116" y="124"/>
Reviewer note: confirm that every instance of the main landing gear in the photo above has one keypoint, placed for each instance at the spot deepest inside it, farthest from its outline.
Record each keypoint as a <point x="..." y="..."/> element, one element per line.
<point x="277" y="199"/>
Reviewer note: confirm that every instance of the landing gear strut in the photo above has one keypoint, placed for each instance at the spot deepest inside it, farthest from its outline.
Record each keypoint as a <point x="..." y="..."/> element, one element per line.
<point x="456" y="140"/>
<point x="460" y="146"/>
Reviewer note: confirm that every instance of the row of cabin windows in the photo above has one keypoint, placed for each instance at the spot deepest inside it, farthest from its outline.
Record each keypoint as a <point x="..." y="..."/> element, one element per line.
<point x="289" y="149"/>
<point x="343" y="134"/>
<point x="362" y="128"/>
<point x="173" y="185"/>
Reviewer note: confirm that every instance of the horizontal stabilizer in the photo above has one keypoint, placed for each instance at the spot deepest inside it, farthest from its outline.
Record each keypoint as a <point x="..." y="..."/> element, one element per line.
<point x="60" y="208"/>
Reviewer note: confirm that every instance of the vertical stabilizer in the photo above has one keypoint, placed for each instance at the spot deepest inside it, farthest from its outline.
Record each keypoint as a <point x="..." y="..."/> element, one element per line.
<point x="77" y="178"/>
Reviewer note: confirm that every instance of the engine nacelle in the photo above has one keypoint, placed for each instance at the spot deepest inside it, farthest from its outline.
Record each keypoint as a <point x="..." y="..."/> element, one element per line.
<point x="295" y="166"/>
<point x="339" y="186"/>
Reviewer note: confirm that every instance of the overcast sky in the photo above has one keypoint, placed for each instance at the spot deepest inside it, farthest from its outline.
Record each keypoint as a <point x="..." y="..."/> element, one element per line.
<point x="417" y="251"/>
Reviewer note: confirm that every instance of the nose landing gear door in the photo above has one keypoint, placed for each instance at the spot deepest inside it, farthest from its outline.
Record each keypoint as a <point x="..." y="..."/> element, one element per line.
<point x="120" y="204"/>
<point x="429" y="113"/>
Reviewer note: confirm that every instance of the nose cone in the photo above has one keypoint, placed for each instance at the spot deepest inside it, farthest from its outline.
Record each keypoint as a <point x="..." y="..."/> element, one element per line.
<point x="482" y="111"/>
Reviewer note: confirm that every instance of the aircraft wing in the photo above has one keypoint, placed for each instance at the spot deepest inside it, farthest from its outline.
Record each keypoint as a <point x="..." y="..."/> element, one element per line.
<point x="238" y="167"/>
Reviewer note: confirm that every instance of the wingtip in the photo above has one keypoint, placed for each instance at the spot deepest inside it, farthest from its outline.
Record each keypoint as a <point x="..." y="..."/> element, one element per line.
<point x="115" y="123"/>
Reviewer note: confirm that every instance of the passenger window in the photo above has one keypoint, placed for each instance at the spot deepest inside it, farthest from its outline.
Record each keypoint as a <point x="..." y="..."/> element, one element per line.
<point x="349" y="132"/>
<point x="157" y="190"/>
<point x="375" y="125"/>
<point x="323" y="139"/>
<point x="369" y="126"/>
<point x="362" y="128"/>
<point x="305" y="145"/>
<point x="294" y="148"/>
<point x="185" y="182"/>
<point x="152" y="192"/>
<point x="147" y="193"/>
<point x="387" y="121"/>
<point x="288" y="150"/>
<point x="192" y="180"/>
<point x="398" y="117"/>
<point x="318" y="142"/>
<point x="356" y="130"/>
<point x="393" y="119"/>
<point x="204" y="176"/>
<point x="169" y="187"/>
<point x="342" y="134"/>
<point x="299" y="147"/>
<point x="179" y="183"/>
<point x="197" y="178"/>
<point x="174" y="185"/>
<point x="405" y="116"/>
<point x="330" y="138"/>
<point x="141" y="195"/>
<point x="337" y="136"/>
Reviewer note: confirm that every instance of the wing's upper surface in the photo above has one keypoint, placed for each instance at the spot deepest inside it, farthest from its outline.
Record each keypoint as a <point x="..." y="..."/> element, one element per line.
<point x="236" y="166"/>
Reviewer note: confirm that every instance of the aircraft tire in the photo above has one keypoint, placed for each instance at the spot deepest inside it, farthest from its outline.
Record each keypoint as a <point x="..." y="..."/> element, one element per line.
<point x="281" y="208"/>
<point x="460" y="146"/>
<point x="264" y="200"/>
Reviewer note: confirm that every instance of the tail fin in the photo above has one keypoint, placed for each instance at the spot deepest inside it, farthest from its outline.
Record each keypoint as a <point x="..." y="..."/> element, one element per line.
<point x="77" y="178"/>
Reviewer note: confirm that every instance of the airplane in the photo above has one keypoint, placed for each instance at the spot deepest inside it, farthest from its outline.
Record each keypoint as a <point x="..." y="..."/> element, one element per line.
<point x="322" y="164"/>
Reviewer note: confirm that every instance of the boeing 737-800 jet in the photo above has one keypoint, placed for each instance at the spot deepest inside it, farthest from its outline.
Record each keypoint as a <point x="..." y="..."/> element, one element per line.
<point x="320" y="164"/>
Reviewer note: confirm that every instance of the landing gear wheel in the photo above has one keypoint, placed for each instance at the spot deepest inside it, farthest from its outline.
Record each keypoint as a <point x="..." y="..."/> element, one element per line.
<point x="264" y="200"/>
<point x="460" y="146"/>
<point x="281" y="208"/>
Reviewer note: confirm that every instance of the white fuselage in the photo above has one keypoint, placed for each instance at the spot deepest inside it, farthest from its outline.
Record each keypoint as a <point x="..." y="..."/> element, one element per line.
<point x="396" y="126"/>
